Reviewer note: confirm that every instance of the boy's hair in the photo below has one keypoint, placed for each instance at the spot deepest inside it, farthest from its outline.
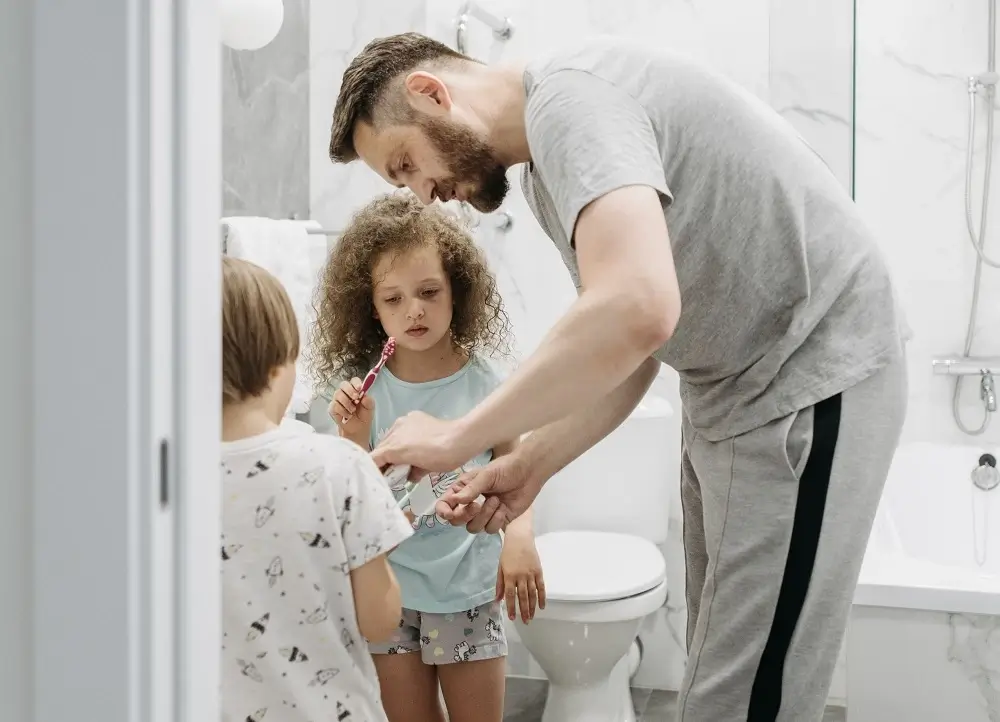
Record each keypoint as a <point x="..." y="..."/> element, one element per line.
<point x="259" y="331"/>
<point x="347" y="339"/>
<point x="365" y="93"/>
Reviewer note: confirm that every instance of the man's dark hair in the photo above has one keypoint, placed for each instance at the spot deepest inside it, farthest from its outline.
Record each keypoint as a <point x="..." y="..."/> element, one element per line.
<point x="367" y="79"/>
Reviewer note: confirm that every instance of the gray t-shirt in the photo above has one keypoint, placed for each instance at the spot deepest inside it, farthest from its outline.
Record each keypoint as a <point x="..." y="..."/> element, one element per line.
<point x="786" y="299"/>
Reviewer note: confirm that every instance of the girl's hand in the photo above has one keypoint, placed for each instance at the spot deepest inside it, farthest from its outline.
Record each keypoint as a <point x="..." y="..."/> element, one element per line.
<point x="359" y="416"/>
<point x="519" y="578"/>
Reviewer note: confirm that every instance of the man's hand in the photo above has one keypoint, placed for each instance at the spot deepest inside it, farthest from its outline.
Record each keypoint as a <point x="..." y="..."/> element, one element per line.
<point x="427" y="444"/>
<point x="509" y="490"/>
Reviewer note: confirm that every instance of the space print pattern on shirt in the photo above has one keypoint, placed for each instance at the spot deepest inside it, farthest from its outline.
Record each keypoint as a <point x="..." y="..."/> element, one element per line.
<point x="300" y="512"/>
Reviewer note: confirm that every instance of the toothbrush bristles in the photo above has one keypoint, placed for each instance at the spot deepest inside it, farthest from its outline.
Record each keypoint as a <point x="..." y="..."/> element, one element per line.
<point x="390" y="347"/>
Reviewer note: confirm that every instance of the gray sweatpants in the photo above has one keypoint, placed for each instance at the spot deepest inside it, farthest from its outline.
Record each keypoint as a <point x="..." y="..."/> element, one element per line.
<point x="775" y="527"/>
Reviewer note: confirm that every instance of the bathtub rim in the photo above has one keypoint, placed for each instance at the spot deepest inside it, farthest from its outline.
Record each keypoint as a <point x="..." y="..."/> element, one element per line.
<point x="896" y="581"/>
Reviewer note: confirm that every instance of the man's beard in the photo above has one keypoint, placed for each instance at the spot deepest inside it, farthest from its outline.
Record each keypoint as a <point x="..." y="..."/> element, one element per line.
<point x="470" y="161"/>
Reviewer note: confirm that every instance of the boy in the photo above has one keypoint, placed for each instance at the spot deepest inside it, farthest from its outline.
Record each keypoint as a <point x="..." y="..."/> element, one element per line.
<point x="307" y="523"/>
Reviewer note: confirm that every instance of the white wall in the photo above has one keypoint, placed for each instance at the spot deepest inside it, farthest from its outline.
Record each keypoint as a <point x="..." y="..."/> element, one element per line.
<point x="16" y="659"/>
<point x="913" y="60"/>
<point x="337" y="32"/>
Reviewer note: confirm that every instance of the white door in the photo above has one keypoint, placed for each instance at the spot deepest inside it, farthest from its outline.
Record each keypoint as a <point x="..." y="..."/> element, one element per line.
<point x="125" y="360"/>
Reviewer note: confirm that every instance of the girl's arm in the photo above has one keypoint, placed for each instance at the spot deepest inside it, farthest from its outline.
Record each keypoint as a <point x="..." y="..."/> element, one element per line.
<point x="520" y="581"/>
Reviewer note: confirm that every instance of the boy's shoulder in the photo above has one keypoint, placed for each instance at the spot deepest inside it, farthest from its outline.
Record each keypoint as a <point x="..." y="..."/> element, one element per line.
<point x="301" y="447"/>
<point x="334" y="452"/>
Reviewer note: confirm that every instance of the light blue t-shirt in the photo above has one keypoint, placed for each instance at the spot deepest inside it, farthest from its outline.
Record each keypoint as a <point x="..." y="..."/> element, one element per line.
<point x="441" y="568"/>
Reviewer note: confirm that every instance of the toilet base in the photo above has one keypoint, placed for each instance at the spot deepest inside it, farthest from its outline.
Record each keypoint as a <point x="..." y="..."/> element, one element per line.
<point x="609" y="700"/>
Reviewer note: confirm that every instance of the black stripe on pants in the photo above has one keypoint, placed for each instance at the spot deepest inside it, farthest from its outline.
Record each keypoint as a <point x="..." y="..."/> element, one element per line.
<point x="810" y="504"/>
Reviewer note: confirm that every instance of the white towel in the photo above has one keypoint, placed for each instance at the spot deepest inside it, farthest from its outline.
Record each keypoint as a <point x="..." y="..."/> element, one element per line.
<point x="296" y="258"/>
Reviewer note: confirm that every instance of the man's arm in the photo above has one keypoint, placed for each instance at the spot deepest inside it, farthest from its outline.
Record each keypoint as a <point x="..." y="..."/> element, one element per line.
<point x="548" y="450"/>
<point x="629" y="307"/>
<point x="539" y="457"/>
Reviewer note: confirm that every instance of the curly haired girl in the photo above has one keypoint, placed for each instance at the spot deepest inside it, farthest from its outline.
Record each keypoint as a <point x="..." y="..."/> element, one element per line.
<point x="409" y="271"/>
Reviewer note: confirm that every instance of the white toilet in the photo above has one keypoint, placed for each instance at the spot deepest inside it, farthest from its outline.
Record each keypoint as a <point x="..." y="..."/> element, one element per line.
<point x="598" y="523"/>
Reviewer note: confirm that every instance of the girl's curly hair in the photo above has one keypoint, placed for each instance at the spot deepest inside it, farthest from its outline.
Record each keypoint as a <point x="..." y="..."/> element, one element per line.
<point x="347" y="339"/>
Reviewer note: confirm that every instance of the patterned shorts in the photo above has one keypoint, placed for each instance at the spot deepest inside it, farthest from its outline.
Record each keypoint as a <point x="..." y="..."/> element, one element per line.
<point x="445" y="638"/>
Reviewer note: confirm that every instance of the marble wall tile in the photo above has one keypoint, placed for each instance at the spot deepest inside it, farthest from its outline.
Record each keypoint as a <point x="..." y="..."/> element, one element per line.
<point x="337" y="32"/>
<point x="265" y="115"/>
<point x="923" y="666"/>
<point x="811" y="74"/>
<point x="912" y="130"/>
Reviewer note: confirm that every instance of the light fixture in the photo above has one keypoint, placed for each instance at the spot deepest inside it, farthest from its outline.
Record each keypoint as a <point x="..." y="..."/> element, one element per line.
<point x="250" y="24"/>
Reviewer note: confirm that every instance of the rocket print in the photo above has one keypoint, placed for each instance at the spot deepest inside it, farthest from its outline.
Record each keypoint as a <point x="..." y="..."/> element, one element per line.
<point x="342" y="712"/>
<point x="274" y="571"/>
<point x="262" y="465"/>
<point x="229" y="551"/>
<point x="346" y="638"/>
<point x="314" y="540"/>
<point x="346" y="516"/>
<point x="293" y="654"/>
<point x="264" y="513"/>
<point x="323" y="676"/>
<point x="258" y="628"/>
<point x="319" y="615"/>
<point x="249" y="670"/>
<point x="311" y="477"/>
<point x="257" y="716"/>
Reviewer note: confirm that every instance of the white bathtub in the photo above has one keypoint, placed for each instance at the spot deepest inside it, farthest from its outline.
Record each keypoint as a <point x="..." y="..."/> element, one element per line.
<point x="936" y="541"/>
<point x="923" y="643"/>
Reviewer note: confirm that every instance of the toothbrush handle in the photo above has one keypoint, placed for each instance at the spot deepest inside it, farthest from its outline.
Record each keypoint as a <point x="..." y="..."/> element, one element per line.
<point x="369" y="380"/>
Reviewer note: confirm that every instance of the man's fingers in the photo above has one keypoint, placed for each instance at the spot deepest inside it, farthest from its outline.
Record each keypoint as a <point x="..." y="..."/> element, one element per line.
<point x="485" y="515"/>
<point x="383" y="457"/>
<point x="498" y="520"/>
<point x="459" y="515"/>
<point x="469" y="487"/>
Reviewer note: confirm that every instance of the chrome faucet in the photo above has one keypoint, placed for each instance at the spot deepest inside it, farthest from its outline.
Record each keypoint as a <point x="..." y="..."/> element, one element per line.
<point x="988" y="392"/>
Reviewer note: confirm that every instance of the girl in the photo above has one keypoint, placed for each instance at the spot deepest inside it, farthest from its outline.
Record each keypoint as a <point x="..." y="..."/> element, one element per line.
<point x="409" y="271"/>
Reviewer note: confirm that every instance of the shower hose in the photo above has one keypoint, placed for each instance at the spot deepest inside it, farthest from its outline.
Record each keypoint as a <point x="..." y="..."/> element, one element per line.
<point x="978" y="240"/>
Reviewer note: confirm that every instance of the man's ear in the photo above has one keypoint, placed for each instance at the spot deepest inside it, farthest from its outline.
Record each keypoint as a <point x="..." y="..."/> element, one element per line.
<point x="427" y="93"/>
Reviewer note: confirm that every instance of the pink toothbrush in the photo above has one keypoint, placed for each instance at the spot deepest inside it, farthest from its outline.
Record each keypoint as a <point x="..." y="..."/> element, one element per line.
<point x="387" y="351"/>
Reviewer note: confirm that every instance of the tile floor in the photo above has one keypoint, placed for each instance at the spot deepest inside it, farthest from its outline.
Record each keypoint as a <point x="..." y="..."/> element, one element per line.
<point x="526" y="697"/>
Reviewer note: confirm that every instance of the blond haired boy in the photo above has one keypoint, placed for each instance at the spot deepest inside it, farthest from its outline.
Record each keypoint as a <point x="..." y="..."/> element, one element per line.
<point x="307" y="523"/>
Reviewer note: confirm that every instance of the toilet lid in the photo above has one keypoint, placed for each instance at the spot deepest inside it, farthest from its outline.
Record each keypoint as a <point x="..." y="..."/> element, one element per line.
<point x="590" y="566"/>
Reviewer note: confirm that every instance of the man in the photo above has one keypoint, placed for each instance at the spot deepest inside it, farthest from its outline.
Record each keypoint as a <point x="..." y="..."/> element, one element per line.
<point x="662" y="183"/>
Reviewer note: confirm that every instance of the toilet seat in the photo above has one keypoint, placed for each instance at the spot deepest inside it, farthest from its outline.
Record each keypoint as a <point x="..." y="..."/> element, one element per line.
<point x="592" y="566"/>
